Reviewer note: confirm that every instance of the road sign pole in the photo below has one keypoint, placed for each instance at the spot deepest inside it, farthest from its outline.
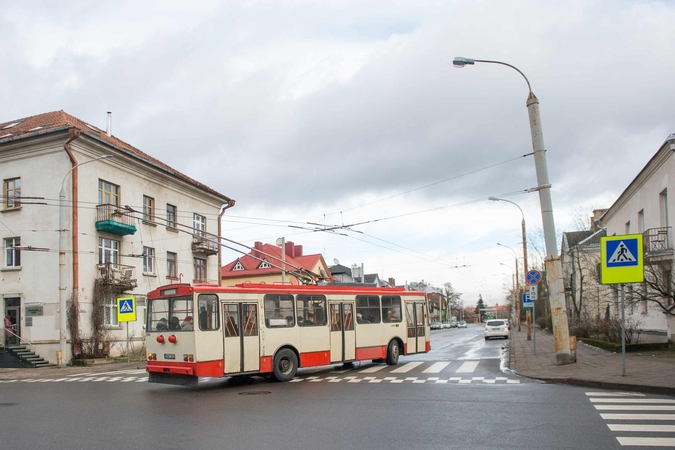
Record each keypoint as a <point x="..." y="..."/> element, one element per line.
<point x="534" y="329"/>
<point x="127" y="341"/>
<point x="623" y="331"/>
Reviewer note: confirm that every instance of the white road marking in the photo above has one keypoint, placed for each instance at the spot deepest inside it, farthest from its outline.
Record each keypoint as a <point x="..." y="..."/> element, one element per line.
<point x="647" y="441"/>
<point x="464" y="381"/>
<point x="638" y="416"/>
<point x="437" y="367"/>
<point x="372" y="369"/>
<point x="406" y="367"/>
<point x="631" y="400"/>
<point x="468" y="367"/>
<point x="635" y="407"/>
<point x="615" y="394"/>
<point x="642" y="428"/>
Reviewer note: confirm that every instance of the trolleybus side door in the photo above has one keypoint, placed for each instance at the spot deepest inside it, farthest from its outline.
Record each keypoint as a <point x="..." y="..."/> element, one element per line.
<point x="342" y="334"/>
<point x="415" y="320"/>
<point x="241" y="339"/>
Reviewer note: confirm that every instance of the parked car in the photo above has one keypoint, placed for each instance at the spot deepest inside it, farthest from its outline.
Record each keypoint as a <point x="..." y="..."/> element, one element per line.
<point x="453" y="324"/>
<point x="436" y="325"/>
<point x="461" y="324"/>
<point x="496" y="328"/>
<point x="446" y="325"/>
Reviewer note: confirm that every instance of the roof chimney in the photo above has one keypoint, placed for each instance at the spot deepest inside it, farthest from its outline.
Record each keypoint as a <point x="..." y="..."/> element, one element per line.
<point x="257" y="250"/>
<point x="108" y="129"/>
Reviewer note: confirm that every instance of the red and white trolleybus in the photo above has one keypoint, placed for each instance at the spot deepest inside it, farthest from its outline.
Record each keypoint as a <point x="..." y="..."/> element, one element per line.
<point x="211" y="331"/>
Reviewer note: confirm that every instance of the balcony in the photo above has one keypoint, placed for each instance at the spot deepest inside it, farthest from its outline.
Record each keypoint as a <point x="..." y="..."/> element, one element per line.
<point x="657" y="245"/>
<point x="111" y="219"/>
<point x="205" y="243"/>
<point x="118" y="276"/>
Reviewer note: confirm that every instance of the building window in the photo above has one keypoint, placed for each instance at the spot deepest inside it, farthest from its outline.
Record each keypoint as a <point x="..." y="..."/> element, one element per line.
<point x="663" y="207"/>
<point x="199" y="224"/>
<point x="627" y="229"/>
<point x="148" y="260"/>
<point x="641" y="221"/>
<point x="171" y="265"/>
<point x="12" y="251"/>
<point x="108" y="251"/>
<point x="108" y="193"/>
<point x="265" y="265"/>
<point x="171" y="214"/>
<point x="238" y="266"/>
<point x="110" y="313"/>
<point x="148" y="208"/>
<point x="12" y="193"/>
<point x="200" y="270"/>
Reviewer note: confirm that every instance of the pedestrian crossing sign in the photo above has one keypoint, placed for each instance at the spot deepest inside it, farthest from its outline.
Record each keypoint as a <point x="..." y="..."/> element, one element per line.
<point x="126" y="309"/>
<point x="622" y="259"/>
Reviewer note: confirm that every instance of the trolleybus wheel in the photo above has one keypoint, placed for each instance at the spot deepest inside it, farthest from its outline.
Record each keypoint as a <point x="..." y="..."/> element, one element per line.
<point x="285" y="365"/>
<point x="393" y="352"/>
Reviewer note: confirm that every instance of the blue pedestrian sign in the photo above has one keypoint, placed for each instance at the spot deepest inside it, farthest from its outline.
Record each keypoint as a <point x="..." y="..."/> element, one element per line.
<point x="126" y="309"/>
<point x="621" y="259"/>
<point x="527" y="302"/>
<point x="533" y="277"/>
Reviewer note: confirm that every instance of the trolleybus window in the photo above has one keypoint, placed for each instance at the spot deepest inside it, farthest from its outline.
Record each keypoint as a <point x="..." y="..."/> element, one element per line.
<point x="311" y="310"/>
<point x="367" y="309"/>
<point x="391" y="308"/>
<point x="170" y="314"/>
<point x="279" y="311"/>
<point x="231" y="320"/>
<point x="208" y="312"/>
<point x="250" y="320"/>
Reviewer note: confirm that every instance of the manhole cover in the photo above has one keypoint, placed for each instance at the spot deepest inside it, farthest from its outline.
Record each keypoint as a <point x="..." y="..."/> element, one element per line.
<point x="8" y="404"/>
<point x="255" y="393"/>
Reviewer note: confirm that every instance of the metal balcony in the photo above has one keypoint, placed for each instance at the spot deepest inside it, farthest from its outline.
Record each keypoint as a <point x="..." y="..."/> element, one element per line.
<point x="119" y="276"/>
<point x="112" y="219"/>
<point x="205" y="243"/>
<point x="657" y="244"/>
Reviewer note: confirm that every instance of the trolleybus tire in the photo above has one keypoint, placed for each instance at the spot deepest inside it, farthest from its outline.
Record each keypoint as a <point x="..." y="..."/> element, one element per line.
<point x="393" y="352"/>
<point x="285" y="365"/>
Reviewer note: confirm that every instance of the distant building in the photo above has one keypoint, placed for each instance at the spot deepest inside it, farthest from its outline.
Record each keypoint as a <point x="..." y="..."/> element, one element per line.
<point x="132" y="223"/>
<point x="342" y="274"/>
<point x="264" y="264"/>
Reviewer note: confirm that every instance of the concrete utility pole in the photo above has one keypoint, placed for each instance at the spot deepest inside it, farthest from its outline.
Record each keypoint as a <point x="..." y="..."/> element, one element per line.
<point x="554" y="275"/>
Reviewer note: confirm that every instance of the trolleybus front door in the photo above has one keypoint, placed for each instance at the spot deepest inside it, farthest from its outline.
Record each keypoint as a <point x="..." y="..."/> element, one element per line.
<point x="342" y="334"/>
<point x="415" y="318"/>
<point x="240" y="338"/>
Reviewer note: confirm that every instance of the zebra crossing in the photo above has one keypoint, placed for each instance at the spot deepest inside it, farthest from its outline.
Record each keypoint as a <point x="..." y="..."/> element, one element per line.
<point x="416" y="372"/>
<point x="637" y="419"/>
<point x="403" y="374"/>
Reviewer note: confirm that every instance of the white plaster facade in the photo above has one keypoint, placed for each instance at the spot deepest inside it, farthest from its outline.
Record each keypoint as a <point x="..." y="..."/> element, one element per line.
<point x="40" y="161"/>
<point x="646" y="207"/>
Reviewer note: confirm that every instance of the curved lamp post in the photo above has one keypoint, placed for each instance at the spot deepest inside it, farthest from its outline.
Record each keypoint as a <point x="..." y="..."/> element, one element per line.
<point x="62" y="263"/>
<point x="554" y="275"/>
<point x="529" y="316"/>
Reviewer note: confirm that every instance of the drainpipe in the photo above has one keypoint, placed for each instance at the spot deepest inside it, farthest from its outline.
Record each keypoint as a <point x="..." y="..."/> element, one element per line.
<point x="226" y="206"/>
<point x="74" y="133"/>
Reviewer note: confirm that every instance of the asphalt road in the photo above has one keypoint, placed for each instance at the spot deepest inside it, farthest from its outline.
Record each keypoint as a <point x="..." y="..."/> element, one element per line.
<point x="457" y="396"/>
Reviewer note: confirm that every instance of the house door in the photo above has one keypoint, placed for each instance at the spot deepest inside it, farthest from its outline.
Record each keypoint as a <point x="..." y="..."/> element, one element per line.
<point x="342" y="334"/>
<point x="13" y="309"/>
<point x="241" y="349"/>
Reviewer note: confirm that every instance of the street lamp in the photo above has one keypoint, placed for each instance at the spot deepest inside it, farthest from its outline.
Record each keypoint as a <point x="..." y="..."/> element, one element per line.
<point x="529" y="316"/>
<point x="553" y="265"/>
<point x="62" y="262"/>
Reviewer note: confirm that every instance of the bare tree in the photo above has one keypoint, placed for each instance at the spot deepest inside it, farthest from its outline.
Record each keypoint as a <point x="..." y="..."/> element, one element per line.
<point x="453" y="298"/>
<point x="656" y="289"/>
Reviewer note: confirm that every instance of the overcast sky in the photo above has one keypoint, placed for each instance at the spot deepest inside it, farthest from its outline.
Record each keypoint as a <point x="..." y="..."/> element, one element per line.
<point x="349" y="112"/>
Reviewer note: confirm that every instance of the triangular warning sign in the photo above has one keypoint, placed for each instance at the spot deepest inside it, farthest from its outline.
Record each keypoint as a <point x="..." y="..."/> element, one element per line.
<point x="126" y="307"/>
<point x="622" y="254"/>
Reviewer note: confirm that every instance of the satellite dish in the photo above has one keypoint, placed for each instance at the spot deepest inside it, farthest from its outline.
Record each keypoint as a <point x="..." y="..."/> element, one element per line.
<point x="335" y="260"/>
<point x="280" y="242"/>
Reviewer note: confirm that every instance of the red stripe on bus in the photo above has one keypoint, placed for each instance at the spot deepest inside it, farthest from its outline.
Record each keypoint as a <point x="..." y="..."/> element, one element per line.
<point x="169" y="367"/>
<point x="265" y="364"/>
<point x="428" y="346"/>
<point x="371" y="353"/>
<point x="405" y="349"/>
<point x="314" y="359"/>
<point x="209" y="369"/>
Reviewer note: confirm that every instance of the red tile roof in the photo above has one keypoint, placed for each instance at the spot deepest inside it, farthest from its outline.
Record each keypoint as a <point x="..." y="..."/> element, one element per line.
<point x="59" y="120"/>
<point x="251" y="264"/>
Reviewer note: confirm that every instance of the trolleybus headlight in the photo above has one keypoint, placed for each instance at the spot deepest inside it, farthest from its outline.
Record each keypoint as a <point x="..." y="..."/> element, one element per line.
<point x="160" y="338"/>
<point x="172" y="338"/>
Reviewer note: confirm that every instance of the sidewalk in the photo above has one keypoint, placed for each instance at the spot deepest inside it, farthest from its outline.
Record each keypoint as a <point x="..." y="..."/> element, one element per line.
<point x="645" y="372"/>
<point x="48" y="372"/>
